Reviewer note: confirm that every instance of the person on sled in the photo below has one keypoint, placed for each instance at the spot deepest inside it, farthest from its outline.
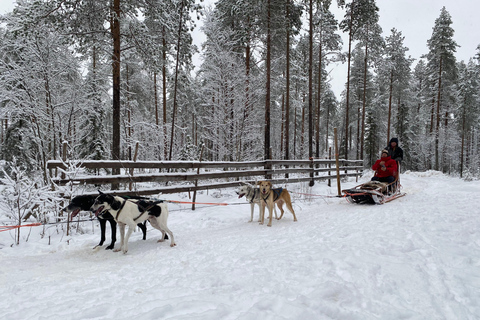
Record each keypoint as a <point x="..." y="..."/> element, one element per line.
<point x="394" y="151"/>
<point x="385" y="168"/>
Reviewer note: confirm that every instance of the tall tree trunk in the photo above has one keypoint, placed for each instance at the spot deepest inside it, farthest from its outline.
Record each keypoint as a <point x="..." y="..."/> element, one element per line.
<point x="155" y="94"/>
<point x="175" y="85"/>
<point x="357" y="149"/>
<point x="115" y="29"/>
<point x="267" y="95"/>
<point x="287" y="89"/>
<point x="362" y="137"/>
<point x="282" y="129"/>
<point x="319" y="99"/>
<point x="463" y="144"/>
<point x="129" y="115"/>
<point x="246" y="108"/>
<point x="444" y="152"/>
<point x="327" y="114"/>
<point x="164" y="92"/>
<point x="390" y="96"/>
<point x="310" y="82"/>
<point x="302" y="136"/>
<point x="437" y="128"/>
<point x="347" y="120"/>
<point x="51" y="113"/>
<point x="295" y="134"/>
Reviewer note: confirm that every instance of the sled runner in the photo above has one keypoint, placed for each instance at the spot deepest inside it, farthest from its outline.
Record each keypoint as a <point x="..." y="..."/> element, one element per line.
<point x="374" y="192"/>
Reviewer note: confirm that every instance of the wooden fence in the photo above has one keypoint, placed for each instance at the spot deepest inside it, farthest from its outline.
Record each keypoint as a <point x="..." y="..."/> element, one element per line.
<point x="186" y="176"/>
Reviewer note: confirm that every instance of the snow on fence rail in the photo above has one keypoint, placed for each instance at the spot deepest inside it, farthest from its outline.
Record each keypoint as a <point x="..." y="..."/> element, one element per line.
<point x="188" y="174"/>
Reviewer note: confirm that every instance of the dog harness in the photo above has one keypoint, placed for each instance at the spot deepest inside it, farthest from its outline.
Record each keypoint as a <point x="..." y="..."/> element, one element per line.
<point x="255" y="191"/>
<point x="146" y="209"/>
<point x="276" y="194"/>
<point x="120" y="210"/>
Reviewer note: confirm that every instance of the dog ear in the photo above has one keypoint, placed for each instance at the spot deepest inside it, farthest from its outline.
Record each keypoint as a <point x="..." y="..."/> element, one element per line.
<point x="269" y="183"/>
<point x="100" y="192"/>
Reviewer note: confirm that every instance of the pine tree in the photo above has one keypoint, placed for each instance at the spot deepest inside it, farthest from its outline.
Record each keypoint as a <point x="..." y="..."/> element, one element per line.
<point x="395" y="69"/>
<point x="361" y="15"/>
<point x="442" y="70"/>
<point x="328" y="48"/>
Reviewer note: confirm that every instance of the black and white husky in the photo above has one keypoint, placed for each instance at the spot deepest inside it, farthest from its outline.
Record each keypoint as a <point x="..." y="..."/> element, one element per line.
<point x="127" y="212"/>
<point x="85" y="202"/>
<point x="252" y="195"/>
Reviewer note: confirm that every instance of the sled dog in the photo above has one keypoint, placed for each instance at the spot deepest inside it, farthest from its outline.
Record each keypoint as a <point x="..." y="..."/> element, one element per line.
<point x="127" y="212"/>
<point x="252" y="195"/>
<point x="270" y="197"/>
<point x="84" y="203"/>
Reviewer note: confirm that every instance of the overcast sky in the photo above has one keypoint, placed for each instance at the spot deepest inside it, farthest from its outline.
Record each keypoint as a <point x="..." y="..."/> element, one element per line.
<point x="414" y="18"/>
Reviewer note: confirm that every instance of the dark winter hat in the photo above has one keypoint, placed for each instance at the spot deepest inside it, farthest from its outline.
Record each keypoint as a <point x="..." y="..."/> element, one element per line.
<point x="394" y="140"/>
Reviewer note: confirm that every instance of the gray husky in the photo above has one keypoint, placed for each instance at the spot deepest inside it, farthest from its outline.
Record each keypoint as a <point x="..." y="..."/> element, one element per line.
<point x="252" y="195"/>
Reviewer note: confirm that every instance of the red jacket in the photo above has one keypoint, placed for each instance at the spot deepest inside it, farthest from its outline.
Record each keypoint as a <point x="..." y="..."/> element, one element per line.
<point x="390" y="165"/>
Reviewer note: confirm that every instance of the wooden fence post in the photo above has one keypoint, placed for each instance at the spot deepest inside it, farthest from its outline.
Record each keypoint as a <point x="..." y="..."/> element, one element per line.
<point x="312" y="182"/>
<point x="64" y="156"/>
<point x="130" y="185"/>
<point x="268" y="165"/>
<point x="339" y="188"/>
<point x="329" y="165"/>
<point x="196" y="181"/>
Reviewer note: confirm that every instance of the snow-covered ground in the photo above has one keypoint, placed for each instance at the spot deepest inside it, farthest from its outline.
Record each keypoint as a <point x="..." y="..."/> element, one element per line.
<point x="417" y="257"/>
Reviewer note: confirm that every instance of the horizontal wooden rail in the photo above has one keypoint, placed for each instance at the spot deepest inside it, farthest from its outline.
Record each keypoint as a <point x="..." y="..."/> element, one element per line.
<point x="192" y="187"/>
<point x="100" y="164"/>
<point x="193" y="179"/>
<point x="160" y="177"/>
<point x="125" y="164"/>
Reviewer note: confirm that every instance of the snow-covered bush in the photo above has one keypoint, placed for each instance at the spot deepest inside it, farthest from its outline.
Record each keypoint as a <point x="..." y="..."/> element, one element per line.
<point x="24" y="198"/>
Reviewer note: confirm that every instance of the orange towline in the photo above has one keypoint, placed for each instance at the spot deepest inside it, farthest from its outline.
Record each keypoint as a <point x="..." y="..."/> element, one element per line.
<point x="6" y="228"/>
<point x="208" y="203"/>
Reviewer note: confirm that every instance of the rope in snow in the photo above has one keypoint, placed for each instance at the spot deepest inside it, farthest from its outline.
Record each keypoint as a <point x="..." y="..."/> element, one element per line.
<point x="37" y="224"/>
<point x="207" y="203"/>
<point x="6" y="228"/>
<point x="316" y="195"/>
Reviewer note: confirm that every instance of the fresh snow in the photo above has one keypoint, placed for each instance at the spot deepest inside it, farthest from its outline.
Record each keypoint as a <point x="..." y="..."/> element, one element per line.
<point x="417" y="257"/>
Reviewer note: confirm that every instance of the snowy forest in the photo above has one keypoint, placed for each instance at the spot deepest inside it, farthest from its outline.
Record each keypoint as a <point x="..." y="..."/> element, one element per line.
<point x="103" y="75"/>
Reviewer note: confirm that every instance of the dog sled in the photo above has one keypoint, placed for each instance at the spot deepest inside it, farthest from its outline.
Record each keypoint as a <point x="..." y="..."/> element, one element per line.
<point x="374" y="192"/>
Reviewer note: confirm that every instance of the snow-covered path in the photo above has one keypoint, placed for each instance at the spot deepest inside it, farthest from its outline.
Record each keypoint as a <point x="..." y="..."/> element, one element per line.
<point x="417" y="257"/>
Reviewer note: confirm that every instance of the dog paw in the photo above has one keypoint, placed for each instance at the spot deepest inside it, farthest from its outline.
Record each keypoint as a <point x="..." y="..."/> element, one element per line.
<point x="173" y="245"/>
<point x="161" y="240"/>
<point x="116" y="250"/>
